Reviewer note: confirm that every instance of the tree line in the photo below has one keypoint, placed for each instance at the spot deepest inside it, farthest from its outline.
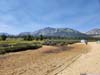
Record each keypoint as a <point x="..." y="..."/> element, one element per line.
<point x="41" y="37"/>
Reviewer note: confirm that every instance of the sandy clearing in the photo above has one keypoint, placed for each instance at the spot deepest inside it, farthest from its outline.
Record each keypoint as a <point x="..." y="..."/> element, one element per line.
<point x="48" y="60"/>
<point x="88" y="64"/>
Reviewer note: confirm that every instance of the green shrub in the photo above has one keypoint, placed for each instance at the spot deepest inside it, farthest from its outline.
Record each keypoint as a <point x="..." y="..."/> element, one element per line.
<point x="59" y="42"/>
<point x="3" y="37"/>
<point x="4" y="48"/>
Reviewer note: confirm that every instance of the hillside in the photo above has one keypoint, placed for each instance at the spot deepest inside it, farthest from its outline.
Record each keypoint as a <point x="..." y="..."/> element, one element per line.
<point x="94" y="32"/>
<point x="62" y="32"/>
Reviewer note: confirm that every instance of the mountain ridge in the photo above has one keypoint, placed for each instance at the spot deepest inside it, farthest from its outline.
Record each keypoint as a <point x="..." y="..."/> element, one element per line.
<point x="94" y="32"/>
<point x="62" y="32"/>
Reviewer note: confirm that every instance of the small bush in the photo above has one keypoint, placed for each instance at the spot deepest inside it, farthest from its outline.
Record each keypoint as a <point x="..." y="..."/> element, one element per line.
<point x="59" y="42"/>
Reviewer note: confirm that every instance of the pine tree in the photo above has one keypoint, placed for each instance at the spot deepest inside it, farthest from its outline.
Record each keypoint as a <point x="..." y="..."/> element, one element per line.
<point x="3" y="37"/>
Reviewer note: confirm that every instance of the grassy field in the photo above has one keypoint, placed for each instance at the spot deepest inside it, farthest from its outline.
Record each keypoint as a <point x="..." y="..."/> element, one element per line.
<point x="20" y="45"/>
<point x="14" y="46"/>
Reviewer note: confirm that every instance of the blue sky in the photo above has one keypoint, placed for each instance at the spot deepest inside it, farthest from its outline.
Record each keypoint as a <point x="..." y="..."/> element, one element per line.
<point x="29" y="15"/>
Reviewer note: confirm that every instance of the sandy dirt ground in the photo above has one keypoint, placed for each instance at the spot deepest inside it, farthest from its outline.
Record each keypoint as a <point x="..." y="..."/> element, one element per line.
<point x="86" y="64"/>
<point x="50" y="60"/>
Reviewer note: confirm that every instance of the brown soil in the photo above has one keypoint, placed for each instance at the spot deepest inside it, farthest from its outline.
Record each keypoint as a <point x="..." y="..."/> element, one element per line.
<point x="86" y="64"/>
<point x="44" y="61"/>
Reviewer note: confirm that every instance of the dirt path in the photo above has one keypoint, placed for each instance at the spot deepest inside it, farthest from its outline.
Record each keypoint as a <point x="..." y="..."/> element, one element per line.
<point x="48" y="60"/>
<point x="87" y="64"/>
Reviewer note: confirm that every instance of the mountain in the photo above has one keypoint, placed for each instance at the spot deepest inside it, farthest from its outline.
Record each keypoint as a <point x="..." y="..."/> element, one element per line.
<point x="55" y="32"/>
<point x="94" y="32"/>
<point x="63" y="32"/>
<point x="25" y="33"/>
